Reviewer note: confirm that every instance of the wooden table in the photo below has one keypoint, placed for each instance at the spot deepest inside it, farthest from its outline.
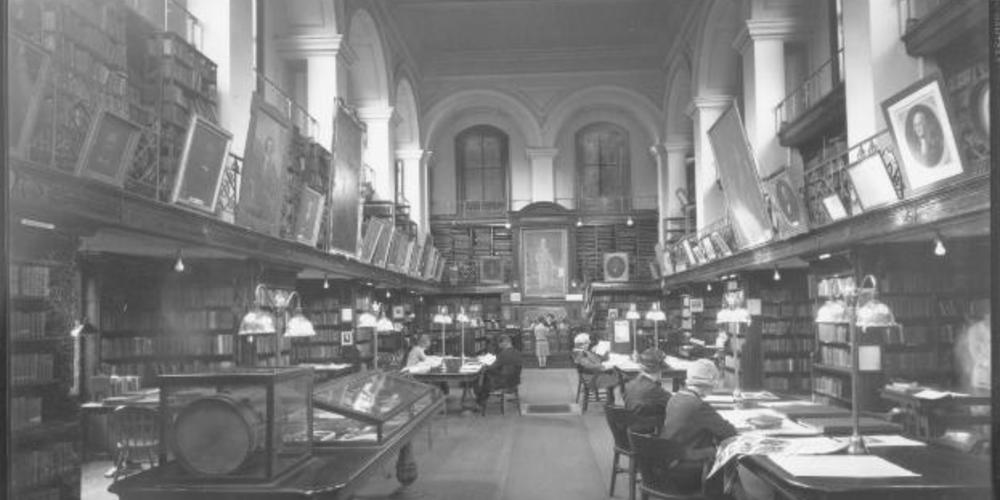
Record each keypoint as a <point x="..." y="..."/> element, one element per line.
<point x="927" y="418"/>
<point x="465" y="379"/>
<point x="331" y="473"/>
<point x="943" y="474"/>
<point x="678" y="376"/>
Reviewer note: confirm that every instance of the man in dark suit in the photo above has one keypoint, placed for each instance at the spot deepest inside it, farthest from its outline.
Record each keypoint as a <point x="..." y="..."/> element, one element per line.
<point x="507" y="364"/>
<point x="694" y="424"/>
<point x="644" y="394"/>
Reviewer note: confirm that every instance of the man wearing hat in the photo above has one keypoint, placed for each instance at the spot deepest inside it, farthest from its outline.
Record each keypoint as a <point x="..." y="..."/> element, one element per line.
<point x="591" y="364"/>
<point x="644" y="394"/>
<point x="694" y="424"/>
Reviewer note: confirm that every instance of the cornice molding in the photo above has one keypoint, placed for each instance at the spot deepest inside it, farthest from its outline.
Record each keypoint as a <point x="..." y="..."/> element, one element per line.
<point x="541" y="152"/>
<point x="708" y="102"/>
<point x="768" y="29"/>
<point x="305" y="45"/>
<point x="377" y="112"/>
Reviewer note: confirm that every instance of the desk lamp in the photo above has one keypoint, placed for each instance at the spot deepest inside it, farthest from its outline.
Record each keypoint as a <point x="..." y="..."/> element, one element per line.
<point x="442" y="318"/>
<point x="656" y="315"/>
<point x="383" y="325"/>
<point x="734" y="314"/>
<point x="298" y="325"/>
<point x="462" y="319"/>
<point x="632" y="315"/>
<point x="258" y="321"/>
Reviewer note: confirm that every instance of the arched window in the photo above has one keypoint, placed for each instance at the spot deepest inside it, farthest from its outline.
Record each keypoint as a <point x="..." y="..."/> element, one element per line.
<point x="602" y="164"/>
<point x="481" y="154"/>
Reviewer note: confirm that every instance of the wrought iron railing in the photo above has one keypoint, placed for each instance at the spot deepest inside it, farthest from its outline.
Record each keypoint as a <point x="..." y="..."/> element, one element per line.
<point x="817" y="85"/>
<point x="229" y="189"/>
<point x="297" y="115"/>
<point x="712" y="242"/>
<point x="830" y="178"/>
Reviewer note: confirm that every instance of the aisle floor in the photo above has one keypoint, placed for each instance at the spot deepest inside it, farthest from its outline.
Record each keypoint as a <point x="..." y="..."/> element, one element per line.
<point x="544" y="456"/>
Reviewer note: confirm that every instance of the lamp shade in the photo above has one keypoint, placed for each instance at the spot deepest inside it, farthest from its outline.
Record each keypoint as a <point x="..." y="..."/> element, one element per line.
<point x="299" y="326"/>
<point x="632" y="313"/>
<point x="258" y="322"/>
<point x="442" y="319"/>
<point x="833" y="311"/>
<point x="461" y="317"/>
<point x="875" y="314"/>
<point x="367" y="320"/>
<point x="655" y="313"/>
<point x="733" y="316"/>
<point x="384" y="325"/>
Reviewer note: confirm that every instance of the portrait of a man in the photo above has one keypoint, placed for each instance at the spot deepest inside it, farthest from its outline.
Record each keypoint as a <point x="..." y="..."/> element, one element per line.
<point x="923" y="133"/>
<point x="543" y="254"/>
<point x="262" y="187"/>
<point x="202" y="165"/>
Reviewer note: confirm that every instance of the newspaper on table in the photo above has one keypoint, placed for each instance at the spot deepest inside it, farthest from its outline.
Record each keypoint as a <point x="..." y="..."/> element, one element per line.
<point x="752" y="443"/>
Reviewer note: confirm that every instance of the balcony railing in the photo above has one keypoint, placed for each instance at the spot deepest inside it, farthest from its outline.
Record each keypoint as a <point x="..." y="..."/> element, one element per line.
<point x="297" y="115"/>
<point x="712" y="242"/>
<point x="816" y="86"/>
<point x="830" y="178"/>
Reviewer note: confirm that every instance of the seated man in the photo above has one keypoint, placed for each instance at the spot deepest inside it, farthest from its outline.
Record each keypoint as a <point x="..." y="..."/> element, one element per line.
<point x="591" y="364"/>
<point x="695" y="425"/>
<point x="418" y="353"/>
<point x="644" y="394"/>
<point x="507" y="362"/>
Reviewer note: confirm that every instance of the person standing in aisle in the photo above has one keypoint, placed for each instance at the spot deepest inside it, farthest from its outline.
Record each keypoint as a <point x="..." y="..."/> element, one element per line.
<point x="541" y="331"/>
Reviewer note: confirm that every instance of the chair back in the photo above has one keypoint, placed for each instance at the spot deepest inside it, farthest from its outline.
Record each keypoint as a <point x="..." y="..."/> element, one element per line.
<point x="654" y="458"/>
<point x="135" y="427"/>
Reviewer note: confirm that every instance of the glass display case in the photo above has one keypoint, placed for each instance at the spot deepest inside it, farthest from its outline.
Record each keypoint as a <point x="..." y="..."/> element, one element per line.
<point x="245" y="423"/>
<point x="367" y="408"/>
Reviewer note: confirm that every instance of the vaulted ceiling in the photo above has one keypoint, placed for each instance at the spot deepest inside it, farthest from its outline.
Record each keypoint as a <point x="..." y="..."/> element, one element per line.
<point x="471" y="37"/>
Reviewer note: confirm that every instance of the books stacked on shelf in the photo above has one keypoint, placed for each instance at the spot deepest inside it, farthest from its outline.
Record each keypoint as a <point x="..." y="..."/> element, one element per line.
<point x="826" y="332"/>
<point x="916" y="364"/>
<point x="835" y="356"/>
<point x="25" y="412"/>
<point x="42" y="466"/>
<point x="789" y="344"/>
<point x="786" y="384"/>
<point x="161" y="346"/>
<point x="832" y="386"/>
<point x="314" y="353"/>
<point x="790" y="365"/>
<point x="31" y="281"/>
<point x="27" y="325"/>
<point x="32" y="368"/>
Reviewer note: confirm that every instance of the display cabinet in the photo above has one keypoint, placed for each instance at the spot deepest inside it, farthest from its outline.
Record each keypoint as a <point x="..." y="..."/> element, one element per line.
<point x="366" y="408"/>
<point x="241" y="424"/>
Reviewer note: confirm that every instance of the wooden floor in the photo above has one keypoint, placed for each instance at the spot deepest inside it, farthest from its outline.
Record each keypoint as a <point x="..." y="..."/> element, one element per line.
<point x="495" y="457"/>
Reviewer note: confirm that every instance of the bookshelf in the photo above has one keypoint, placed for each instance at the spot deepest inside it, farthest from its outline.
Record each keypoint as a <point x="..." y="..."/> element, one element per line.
<point x="325" y="308"/>
<point x="43" y="286"/>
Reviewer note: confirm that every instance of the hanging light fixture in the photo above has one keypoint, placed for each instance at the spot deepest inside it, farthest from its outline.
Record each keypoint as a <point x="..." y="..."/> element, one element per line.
<point x="506" y="225"/>
<point x="179" y="262"/>
<point x="258" y="321"/>
<point x="298" y="325"/>
<point x="777" y="274"/>
<point x="326" y="282"/>
<point x="939" y="248"/>
<point x="579" y="222"/>
<point x="630" y="221"/>
<point x="656" y="315"/>
<point x="708" y="286"/>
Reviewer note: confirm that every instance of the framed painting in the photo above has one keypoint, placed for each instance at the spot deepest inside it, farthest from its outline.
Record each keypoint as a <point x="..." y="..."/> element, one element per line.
<point x="689" y="253"/>
<point x="203" y="161"/>
<point x="263" y="181"/>
<point x="108" y="149"/>
<point x="491" y="270"/>
<point x="373" y="231"/>
<point x="384" y="244"/>
<point x="544" y="257"/>
<point x="344" y="200"/>
<point x="708" y="248"/>
<point x="415" y="259"/>
<point x="919" y="120"/>
<point x="872" y="183"/>
<point x="721" y="245"/>
<point x="309" y="216"/>
<point x="834" y="207"/>
<point x="741" y="185"/>
<point x="787" y="205"/>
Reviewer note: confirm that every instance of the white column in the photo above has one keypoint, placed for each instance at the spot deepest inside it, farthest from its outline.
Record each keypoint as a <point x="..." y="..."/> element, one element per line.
<point x="762" y="45"/>
<point x="661" y="188"/>
<point x="705" y="111"/>
<point x="322" y="54"/>
<point x="414" y="175"/>
<point x="876" y="64"/>
<point x="543" y="179"/>
<point x="379" y="149"/>
<point x="675" y="170"/>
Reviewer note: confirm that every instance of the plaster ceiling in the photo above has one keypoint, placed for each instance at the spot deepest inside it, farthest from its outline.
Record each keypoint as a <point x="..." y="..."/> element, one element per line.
<point x="561" y="34"/>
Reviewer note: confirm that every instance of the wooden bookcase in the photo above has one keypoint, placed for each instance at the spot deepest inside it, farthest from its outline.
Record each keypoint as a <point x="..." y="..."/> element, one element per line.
<point x="44" y="290"/>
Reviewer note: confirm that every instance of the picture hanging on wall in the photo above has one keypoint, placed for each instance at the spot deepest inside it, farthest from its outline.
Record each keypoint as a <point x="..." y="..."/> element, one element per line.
<point x="834" y="207"/>
<point x="309" y="216"/>
<point x="544" y="262"/>
<point x="708" y="248"/>
<point x="689" y="254"/>
<point x="787" y="205"/>
<point x="872" y="183"/>
<point x="203" y="161"/>
<point x="720" y="244"/>
<point x="109" y="149"/>
<point x="490" y="270"/>
<point x="265" y="168"/>
<point x="919" y="120"/>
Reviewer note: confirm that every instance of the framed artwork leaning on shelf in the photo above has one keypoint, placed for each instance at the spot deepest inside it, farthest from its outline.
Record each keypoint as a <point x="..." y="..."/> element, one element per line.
<point x="263" y="180"/>
<point x="309" y="216"/>
<point x="109" y="149"/>
<point x="919" y="120"/>
<point x="203" y="161"/>
<point x="872" y="183"/>
<point x="28" y="67"/>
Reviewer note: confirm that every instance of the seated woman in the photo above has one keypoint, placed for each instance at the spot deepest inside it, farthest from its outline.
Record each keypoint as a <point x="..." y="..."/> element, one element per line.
<point x="418" y="353"/>
<point x="591" y="363"/>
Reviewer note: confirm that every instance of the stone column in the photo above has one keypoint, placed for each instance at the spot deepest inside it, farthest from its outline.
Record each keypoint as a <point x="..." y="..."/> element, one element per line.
<point x="543" y="178"/>
<point x="379" y="149"/>
<point x="675" y="172"/>
<point x="705" y="110"/>
<point x="414" y="183"/>
<point x="325" y="55"/>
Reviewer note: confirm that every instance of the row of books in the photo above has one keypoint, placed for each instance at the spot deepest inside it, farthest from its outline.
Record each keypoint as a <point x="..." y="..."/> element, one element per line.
<point x="787" y="309"/>
<point x="914" y="362"/>
<point x="174" y="321"/>
<point x="786" y="384"/>
<point x="835" y="356"/>
<point x="790" y="344"/>
<point x="283" y="360"/>
<point x="786" y="364"/>
<point x="840" y="387"/>
<point x="41" y="466"/>
<point x="199" y="297"/>
<point x="32" y="368"/>
<point x="326" y="317"/>
<point x="271" y="345"/>
<point x="30" y="281"/>
<point x="786" y="327"/>
<point x="832" y="333"/>
<point x="25" y="411"/>
<point x="315" y="352"/>
<point x="918" y="334"/>
<point x="166" y="346"/>
<point x="325" y="335"/>
<point x="911" y="307"/>
<point x="26" y="325"/>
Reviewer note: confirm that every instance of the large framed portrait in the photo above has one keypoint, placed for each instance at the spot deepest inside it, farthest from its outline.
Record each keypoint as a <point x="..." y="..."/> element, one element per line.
<point x="264" y="177"/>
<point x="309" y="216"/>
<point x="27" y="78"/>
<point x="109" y="149"/>
<point x="345" y="203"/>
<point x="544" y="268"/>
<point x="919" y="120"/>
<point x="491" y="270"/>
<point x="203" y="160"/>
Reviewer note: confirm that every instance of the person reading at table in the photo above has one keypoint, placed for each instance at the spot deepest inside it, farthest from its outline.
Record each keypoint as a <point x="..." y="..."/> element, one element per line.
<point x="418" y="354"/>
<point x="591" y="365"/>
<point x="644" y="394"/>
<point x="508" y="362"/>
<point x="694" y="424"/>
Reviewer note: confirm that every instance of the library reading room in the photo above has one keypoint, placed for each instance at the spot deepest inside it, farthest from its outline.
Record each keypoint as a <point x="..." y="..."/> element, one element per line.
<point x="499" y="249"/>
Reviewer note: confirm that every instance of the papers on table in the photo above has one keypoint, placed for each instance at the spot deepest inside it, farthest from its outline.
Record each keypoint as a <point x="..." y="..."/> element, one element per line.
<point x="756" y="444"/>
<point x="742" y="420"/>
<point x="878" y="440"/>
<point x="719" y="399"/>
<point x="852" y="466"/>
<point x="471" y="367"/>
<point x="487" y="359"/>
<point x="621" y="361"/>
<point x="327" y="366"/>
<point x="603" y="347"/>
<point x="779" y="404"/>
<point x="759" y="395"/>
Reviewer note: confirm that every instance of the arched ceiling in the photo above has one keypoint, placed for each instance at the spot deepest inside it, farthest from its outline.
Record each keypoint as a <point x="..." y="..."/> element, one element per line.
<point x="462" y="37"/>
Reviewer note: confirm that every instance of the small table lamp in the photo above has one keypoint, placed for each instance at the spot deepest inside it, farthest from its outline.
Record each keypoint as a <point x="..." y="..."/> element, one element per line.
<point x="298" y="325"/>
<point x="734" y="314"/>
<point x="462" y="319"/>
<point x="383" y="325"/>
<point x="632" y="315"/>
<point x="442" y="318"/>
<point x="656" y="315"/>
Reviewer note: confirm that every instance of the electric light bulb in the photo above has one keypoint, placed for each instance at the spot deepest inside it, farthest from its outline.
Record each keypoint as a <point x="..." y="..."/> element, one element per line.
<point x="939" y="248"/>
<point x="179" y="265"/>
<point x="777" y="275"/>
<point x="708" y="287"/>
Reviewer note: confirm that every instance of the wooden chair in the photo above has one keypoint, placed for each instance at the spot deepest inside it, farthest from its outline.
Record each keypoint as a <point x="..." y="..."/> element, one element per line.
<point x="619" y="420"/>
<point x="585" y="387"/>
<point x="655" y="459"/>
<point x="135" y="434"/>
<point x="503" y="385"/>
